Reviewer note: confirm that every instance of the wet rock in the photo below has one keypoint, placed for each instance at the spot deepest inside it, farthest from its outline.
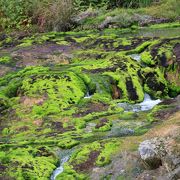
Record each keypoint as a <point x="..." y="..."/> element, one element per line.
<point x="90" y="127"/>
<point x="120" y="131"/>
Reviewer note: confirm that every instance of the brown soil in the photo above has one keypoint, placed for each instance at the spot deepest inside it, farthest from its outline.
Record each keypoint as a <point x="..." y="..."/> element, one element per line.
<point x="93" y="107"/>
<point x="88" y="164"/>
<point x="101" y="123"/>
<point x="116" y="92"/>
<point x="58" y="126"/>
<point x="30" y="101"/>
<point x="166" y="113"/>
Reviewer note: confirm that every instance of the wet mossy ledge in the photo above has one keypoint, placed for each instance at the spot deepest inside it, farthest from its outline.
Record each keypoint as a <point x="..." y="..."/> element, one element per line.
<point x="60" y="91"/>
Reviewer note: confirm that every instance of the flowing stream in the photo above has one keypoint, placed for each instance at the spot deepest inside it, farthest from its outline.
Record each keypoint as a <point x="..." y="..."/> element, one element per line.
<point x="146" y="105"/>
<point x="60" y="169"/>
<point x="87" y="96"/>
<point x="64" y="156"/>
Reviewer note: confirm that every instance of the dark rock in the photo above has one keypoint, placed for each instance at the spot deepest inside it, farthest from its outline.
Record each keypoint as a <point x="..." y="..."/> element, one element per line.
<point x="131" y="90"/>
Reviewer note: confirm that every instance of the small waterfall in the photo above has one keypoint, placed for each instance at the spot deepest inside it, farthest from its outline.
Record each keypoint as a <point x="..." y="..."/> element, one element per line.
<point x="87" y="96"/>
<point x="146" y="105"/>
<point x="60" y="169"/>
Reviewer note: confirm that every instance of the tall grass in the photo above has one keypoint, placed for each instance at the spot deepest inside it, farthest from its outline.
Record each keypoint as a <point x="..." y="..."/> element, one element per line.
<point x="165" y="8"/>
<point x="137" y="3"/>
<point x="113" y="3"/>
<point x="53" y="14"/>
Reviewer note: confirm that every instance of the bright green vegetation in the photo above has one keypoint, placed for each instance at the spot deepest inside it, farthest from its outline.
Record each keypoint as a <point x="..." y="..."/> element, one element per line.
<point x="5" y="60"/>
<point x="67" y="98"/>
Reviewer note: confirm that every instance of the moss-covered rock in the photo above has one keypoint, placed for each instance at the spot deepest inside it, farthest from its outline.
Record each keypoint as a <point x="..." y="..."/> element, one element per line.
<point x="64" y="92"/>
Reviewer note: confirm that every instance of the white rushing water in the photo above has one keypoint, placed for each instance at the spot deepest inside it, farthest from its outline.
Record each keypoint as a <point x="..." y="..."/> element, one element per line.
<point x="87" y="96"/>
<point x="136" y="57"/>
<point x="60" y="169"/>
<point x="146" y="105"/>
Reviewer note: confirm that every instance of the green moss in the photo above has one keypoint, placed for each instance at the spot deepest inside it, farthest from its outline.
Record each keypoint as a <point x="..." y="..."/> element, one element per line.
<point x="62" y="90"/>
<point x="105" y="156"/>
<point x="69" y="173"/>
<point x="81" y="39"/>
<point x="5" y="60"/>
<point x="26" y="42"/>
<point x="152" y="116"/>
<point x="106" y="127"/>
<point x="142" y="47"/>
<point x="45" y="106"/>
<point x="156" y="85"/>
<point x="26" y="164"/>
<point x="82" y="154"/>
<point x="126" y="42"/>
<point x="165" y="25"/>
<point x="174" y="90"/>
<point x="65" y="43"/>
<point x="68" y="143"/>
<point x="127" y="116"/>
<point x="147" y="58"/>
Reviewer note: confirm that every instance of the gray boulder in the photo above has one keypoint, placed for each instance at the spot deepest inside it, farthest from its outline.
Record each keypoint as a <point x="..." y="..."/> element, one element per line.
<point x="151" y="151"/>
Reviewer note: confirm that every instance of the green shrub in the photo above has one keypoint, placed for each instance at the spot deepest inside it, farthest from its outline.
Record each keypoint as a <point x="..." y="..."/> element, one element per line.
<point x="47" y="14"/>
<point x="14" y="13"/>
<point x="112" y="3"/>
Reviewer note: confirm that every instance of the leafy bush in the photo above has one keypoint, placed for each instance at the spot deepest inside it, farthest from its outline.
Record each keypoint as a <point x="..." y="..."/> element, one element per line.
<point x="47" y="14"/>
<point x="13" y="13"/>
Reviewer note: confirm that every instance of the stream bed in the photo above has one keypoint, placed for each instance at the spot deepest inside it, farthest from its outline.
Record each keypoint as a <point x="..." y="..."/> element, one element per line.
<point x="146" y="105"/>
<point x="64" y="157"/>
